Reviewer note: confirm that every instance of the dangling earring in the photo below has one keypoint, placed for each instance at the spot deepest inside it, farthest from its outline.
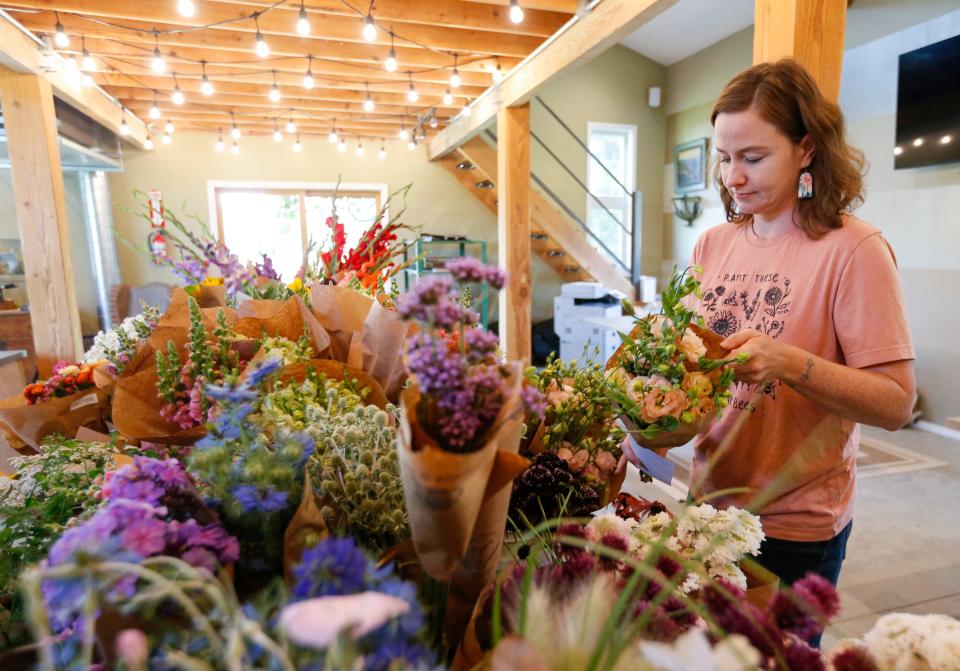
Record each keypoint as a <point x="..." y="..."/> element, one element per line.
<point x="805" y="188"/>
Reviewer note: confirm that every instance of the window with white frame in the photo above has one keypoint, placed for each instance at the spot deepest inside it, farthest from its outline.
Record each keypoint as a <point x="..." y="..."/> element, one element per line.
<point x="283" y="221"/>
<point x="608" y="203"/>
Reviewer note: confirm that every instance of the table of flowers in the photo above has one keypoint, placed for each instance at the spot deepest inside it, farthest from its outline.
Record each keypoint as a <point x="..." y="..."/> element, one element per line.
<point x="323" y="474"/>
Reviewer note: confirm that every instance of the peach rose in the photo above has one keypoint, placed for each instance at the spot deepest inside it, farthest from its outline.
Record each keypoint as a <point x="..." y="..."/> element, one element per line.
<point x="706" y="407"/>
<point x="698" y="382"/>
<point x="605" y="462"/>
<point x="659" y="403"/>
<point x="579" y="460"/>
<point x="557" y="394"/>
<point x="591" y="472"/>
<point x="565" y="454"/>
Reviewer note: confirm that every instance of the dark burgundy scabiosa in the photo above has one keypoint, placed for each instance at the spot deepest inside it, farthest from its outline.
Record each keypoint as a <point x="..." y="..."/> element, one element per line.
<point x="805" y="609"/>
<point x="617" y="543"/>
<point x="853" y="658"/>
<point x="729" y="610"/>
<point x="544" y="486"/>
<point x="801" y="657"/>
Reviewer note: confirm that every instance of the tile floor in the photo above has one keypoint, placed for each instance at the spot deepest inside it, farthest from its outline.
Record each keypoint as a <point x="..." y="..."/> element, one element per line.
<point x="904" y="551"/>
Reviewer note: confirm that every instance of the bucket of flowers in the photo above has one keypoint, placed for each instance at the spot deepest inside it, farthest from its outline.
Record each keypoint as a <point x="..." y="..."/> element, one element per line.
<point x="670" y="377"/>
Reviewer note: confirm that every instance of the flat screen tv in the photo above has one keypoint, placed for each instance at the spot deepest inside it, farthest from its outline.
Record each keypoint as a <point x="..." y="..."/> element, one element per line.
<point x="928" y="106"/>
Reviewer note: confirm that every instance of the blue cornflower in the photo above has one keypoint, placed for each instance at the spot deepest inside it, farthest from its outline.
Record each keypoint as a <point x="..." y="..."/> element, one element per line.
<point x="231" y="394"/>
<point x="251" y="499"/>
<point x="264" y="369"/>
<point x="333" y="566"/>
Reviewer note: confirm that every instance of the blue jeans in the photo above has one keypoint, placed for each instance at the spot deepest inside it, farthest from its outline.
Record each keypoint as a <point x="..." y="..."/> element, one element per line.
<point x="791" y="560"/>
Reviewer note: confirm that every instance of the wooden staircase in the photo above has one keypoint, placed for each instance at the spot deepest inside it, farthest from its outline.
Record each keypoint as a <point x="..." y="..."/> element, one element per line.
<point x="553" y="237"/>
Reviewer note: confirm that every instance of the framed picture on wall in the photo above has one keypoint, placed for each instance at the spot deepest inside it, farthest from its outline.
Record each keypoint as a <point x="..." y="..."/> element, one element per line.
<point x="690" y="166"/>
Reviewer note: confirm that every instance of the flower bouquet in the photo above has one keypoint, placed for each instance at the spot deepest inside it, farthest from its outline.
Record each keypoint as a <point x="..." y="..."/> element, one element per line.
<point x="61" y="404"/>
<point x="579" y="429"/>
<point x="119" y="345"/>
<point x="462" y="407"/>
<point x="670" y="377"/>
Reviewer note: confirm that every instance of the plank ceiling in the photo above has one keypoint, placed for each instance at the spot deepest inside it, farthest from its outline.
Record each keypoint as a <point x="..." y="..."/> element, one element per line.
<point x="429" y="37"/>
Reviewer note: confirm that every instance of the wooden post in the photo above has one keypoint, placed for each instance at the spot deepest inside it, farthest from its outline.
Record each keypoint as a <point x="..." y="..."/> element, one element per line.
<point x="513" y="229"/>
<point x="810" y="31"/>
<point x="41" y="206"/>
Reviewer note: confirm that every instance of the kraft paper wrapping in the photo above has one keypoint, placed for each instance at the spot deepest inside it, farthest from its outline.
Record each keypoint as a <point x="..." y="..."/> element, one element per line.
<point x="444" y="491"/>
<point x="306" y="529"/>
<point x="480" y="563"/>
<point x="363" y="333"/>
<point x="24" y="426"/>
<point x="289" y="319"/>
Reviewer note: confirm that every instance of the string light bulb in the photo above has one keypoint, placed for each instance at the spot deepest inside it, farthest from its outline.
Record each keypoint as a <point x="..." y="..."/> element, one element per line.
<point x="466" y="110"/>
<point x="391" y="63"/>
<point x="124" y="128"/>
<point x="498" y="74"/>
<point x="369" y="29"/>
<point x="455" y="77"/>
<point x="148" y="144"/>
<point x="332" y="137"/>
<point x="291" y="126"/>
<point x="277" y="135"/>
<point x="341" y="146"/>
<point x="275" y="90"/>
<point x="235" y="131"/>
<point x="448" y="98"/>
<point x="154" y="110"/>
<point x="412" y="94"/>
<point x="168" y="127"/>
<point x="89" y="65"/>
<point x="60" y="37"/>
<point x="297" y="147"/>
<point x="403" y="133"/>
<point x="262" y="49"/>
<point x="359" y="148"/>
<point x="177" y="96"/>
<point x="303" y="23"/>
<point x="157" y="64"/>
<point x="219" y="146"/>
<point x="516" y="12"/>
<point x="308" y="82"/>
<point x="382" y="154"/>
<point x="368" y="103"/>
<point x="166" y="138"/>
<point x="186" y="8"/>
<point x="235" y="149"/>
<point x="411" y="145"/>
<point x="433" y="121"/>
<point x="206" y="88"/>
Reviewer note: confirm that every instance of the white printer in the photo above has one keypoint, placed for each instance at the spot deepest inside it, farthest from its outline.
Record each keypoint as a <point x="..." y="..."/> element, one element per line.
<point x="586" y="316"/>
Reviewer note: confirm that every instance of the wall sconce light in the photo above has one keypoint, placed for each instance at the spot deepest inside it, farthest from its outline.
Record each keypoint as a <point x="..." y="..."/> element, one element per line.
<point x="687" y="208"/>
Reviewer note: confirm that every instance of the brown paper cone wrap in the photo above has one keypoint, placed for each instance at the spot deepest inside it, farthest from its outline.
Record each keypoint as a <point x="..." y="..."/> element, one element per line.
<point x="289" y="319"/>
<point x="762" y="585"/>
<point x="104" y="379"/>
<point x="306" y="525"/>
<point x="25" y="426"/>
<point x="479" y="566"/>
<point x="341" y="311"/>
<point x="614" y="484"/>
<point x="444" y="491"/>
<point x="364" y="334"/>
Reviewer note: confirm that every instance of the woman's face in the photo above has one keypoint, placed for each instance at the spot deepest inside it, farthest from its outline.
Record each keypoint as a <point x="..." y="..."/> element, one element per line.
<point x="759" y="165"/>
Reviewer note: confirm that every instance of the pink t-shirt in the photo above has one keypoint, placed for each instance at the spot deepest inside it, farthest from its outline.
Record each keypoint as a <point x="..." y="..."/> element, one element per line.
<point x="837" y="297"/>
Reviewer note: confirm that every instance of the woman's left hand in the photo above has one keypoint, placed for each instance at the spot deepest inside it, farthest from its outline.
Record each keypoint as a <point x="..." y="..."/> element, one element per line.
<point x="769" y="358"/>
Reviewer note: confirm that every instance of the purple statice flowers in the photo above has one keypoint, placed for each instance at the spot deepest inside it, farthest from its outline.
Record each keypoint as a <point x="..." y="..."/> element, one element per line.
<point x="152" y="509"/>
<point x="266" y="268"/>
<point x="457" y="366"/>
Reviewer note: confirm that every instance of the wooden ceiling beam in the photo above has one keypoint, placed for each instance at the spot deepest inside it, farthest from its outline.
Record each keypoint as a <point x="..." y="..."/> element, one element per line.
<point x="223" y="46"/>
<point x="21" y="53"/>
<point x="352" y="106"/>
<point x="161" y="16"/>
<point x="187" y="62"/>
<point x="454" y="13"/>
<point x="562" y="6"/>
<point x="608" y="23"/>
<point x="260" y="83"/>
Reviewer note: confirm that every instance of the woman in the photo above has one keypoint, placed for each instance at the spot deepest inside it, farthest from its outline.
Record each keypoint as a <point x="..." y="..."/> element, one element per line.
<point x="811" y="293"/>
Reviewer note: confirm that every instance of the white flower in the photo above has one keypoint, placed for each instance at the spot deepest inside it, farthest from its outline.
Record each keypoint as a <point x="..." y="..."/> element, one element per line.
<point x="907" y="642"/>
<point x="692" y="652"/>
<point x="316" y="623"/>
<point x="612" y="524"/>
